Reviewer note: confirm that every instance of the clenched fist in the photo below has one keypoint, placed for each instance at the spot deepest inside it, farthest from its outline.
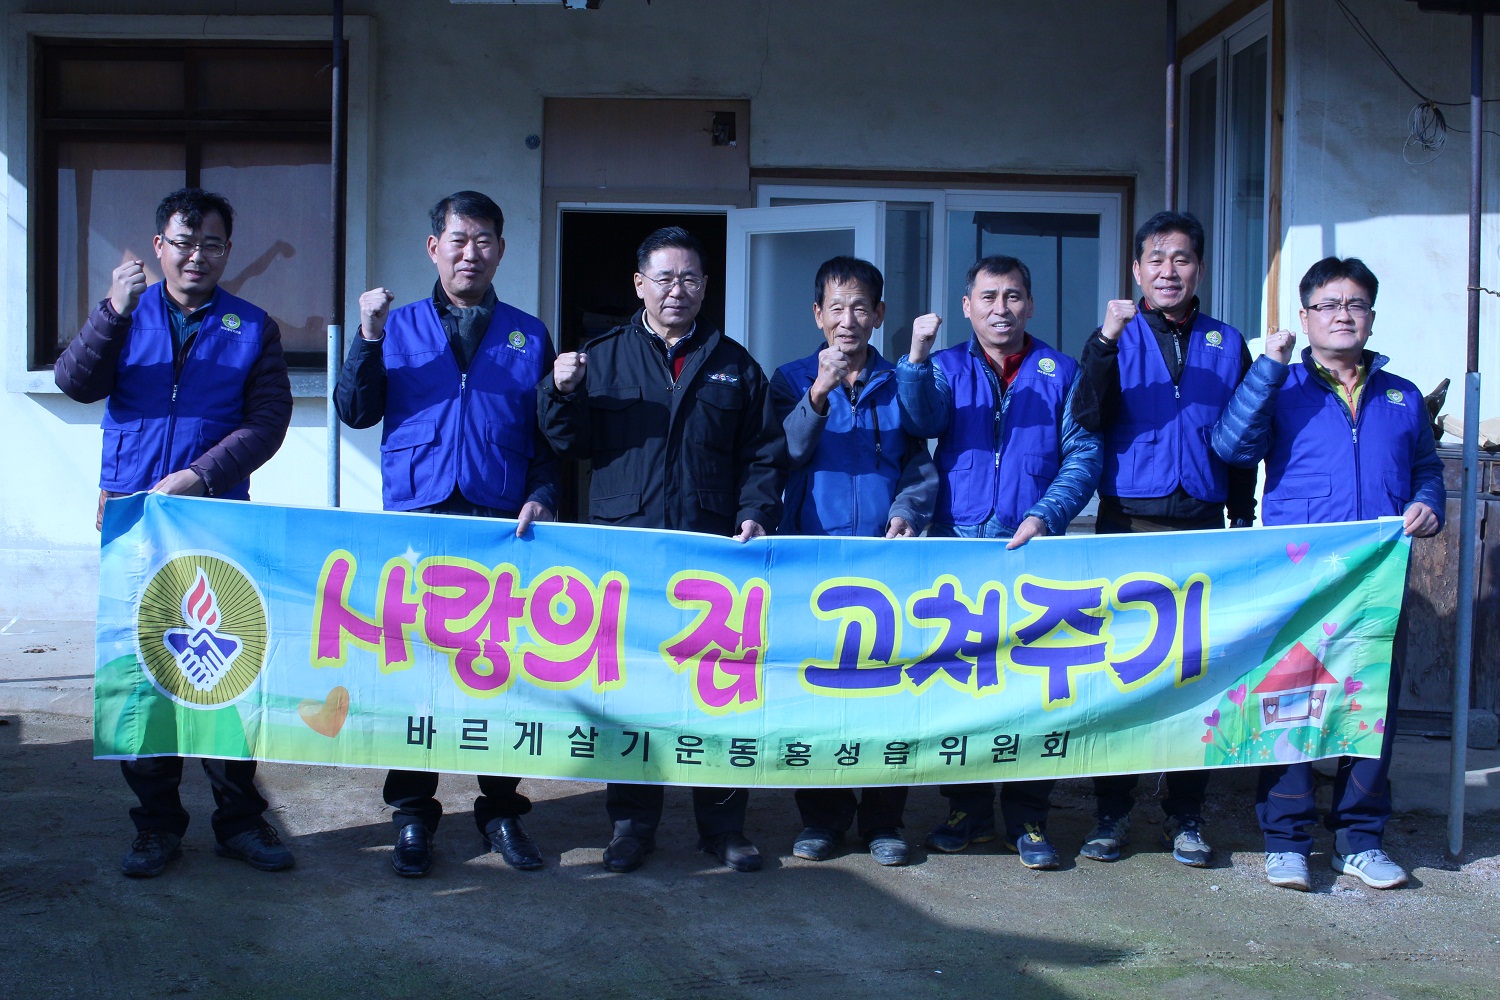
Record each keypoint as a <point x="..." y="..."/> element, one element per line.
<point x="126" y="286"/>
<point x="568" y="371"/>
<point x="1279" y="345"/>
<point x="833" y="369"/>
<point x="1116" y="315"/>
<point x="374" y="306"/>
<point x="924" y="331"/>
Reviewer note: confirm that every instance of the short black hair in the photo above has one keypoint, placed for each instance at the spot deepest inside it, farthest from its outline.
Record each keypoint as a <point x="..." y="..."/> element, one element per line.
<point x="999" y="265"/>
<point x="1162" y="223"/>
<point x="667" y="238"/>
<point x="470" y="205"/>
<point x="1331" y="269"/>
<point x="193" y="204"/>
<point x="846" y="271"/>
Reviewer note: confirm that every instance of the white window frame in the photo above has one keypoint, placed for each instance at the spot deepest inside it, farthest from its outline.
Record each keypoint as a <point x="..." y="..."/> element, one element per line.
<point x="23" y="30"/>
<point x="865" y="218"/>
<point x="1220" y="50"/>
<point x="1109" y="206"/>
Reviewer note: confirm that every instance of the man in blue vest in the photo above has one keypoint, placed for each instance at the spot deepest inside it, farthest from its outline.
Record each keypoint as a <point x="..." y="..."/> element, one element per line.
<point x="454" y="377"/>
<point x="1012" y="463"/>
<point x="197" y="399"/>
<point x="1343" y="440"/>
<point x="1154" y="378"/>
<point x="854" y="471"/>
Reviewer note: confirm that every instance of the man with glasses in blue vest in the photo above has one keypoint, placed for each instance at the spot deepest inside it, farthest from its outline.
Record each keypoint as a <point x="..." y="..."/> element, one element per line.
<point x="197" y="398"/>
<point x="1343" y="439"/>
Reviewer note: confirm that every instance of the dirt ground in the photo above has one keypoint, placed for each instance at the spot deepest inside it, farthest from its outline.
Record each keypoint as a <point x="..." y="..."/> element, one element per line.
<point x="341" y="925"/>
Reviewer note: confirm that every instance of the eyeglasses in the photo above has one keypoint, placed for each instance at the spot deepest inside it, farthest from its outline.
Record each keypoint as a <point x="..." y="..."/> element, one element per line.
<point x="1357" y="308"/>
<point x="187" y="247"/>
<point x="689" y="282"/>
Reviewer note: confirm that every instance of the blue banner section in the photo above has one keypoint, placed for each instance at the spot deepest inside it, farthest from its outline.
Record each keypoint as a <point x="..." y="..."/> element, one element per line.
<point x="446" y="643"/>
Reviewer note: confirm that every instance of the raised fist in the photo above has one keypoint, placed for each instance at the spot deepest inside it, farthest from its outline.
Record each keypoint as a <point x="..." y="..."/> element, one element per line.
<point x="126" y="286"/>
<point x="374" y="306"/>
<point x="924" y="331"/>
<point x="1116" y="315"/>
<point x="568" y="371"/>
<point x="1279" y="345"/>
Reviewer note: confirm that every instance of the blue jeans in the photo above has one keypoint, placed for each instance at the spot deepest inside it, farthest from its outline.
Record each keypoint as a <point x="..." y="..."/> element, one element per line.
<point x="993" y="528"/>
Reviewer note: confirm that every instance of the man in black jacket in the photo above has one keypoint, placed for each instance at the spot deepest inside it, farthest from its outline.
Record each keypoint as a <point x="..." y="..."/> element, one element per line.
<point x="677" y="422"/>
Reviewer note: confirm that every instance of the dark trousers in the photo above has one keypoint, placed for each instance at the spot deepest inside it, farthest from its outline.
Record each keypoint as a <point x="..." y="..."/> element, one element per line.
<point x="1022" y="803"/>
<point x="1114" y="794"/>
<point x="156" y="780"/>
<point x="836" y="809"/>
<point x="1285" y="801"/>
<point x="635" y="810"/>
<point x="412" y="795"/>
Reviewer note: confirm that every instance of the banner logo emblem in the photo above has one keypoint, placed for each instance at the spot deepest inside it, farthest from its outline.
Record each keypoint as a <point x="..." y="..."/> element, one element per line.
<point x="201" y="626"/>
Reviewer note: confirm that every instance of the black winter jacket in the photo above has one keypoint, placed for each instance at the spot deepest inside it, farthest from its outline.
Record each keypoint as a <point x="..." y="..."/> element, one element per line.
<point x="703" y="453"/>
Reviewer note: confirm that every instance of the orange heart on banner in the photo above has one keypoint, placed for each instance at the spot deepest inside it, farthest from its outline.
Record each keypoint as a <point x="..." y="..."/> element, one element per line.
<point x="326" y="717"/>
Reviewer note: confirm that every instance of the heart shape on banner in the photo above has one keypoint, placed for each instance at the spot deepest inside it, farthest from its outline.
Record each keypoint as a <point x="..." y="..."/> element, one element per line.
<point x="1296" y="553"/>
<point x="326" y="717"/>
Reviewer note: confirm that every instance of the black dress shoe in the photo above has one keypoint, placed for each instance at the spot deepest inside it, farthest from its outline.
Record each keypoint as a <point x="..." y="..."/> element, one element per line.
<point x="626" y="853"/>
<point x="507" y="839"/>
<point x="412" y="857"/>
<point x="734" y="850"/>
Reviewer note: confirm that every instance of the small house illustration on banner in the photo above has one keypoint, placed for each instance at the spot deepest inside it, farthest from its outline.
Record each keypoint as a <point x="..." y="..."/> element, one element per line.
<point x="1294" y="691"/>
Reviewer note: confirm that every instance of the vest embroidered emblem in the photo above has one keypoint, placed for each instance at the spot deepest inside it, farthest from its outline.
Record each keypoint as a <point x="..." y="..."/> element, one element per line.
<point x="1394" y="395"/>
<point x="1214" y="338"/>
<point x="1046" y="366"/>
<point x="724" y="377"/>
<point x="517" y="340"/>
<point x="230" y="322"/>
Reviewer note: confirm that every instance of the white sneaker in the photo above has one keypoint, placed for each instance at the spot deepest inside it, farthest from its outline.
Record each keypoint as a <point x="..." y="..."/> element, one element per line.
<point x="1374" y="868"/>
<point x="1288" y="870"/>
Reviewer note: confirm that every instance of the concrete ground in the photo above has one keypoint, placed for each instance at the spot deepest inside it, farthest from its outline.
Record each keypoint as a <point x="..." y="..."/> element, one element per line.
<point x="342" y="925"/>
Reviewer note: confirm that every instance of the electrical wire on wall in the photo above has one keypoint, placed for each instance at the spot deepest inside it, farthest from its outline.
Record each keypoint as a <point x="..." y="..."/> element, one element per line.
<point x="1427" y="128"/>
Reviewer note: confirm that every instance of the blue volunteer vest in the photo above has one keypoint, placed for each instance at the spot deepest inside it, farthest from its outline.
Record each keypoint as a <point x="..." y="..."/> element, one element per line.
<point x="155" y="423"/>
<point x="1319" y="470"/>
<point x="848" y="487"/>
<point x="999" y="456"/>
<point x="1160" y="438"/>
<point x="445" y="428"/>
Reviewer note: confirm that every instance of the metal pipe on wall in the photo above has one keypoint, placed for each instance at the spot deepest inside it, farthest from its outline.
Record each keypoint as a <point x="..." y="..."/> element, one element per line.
<point x="1171" y="204"/>
<point x="338" y="186"/>
<point x="1468" y="534"/>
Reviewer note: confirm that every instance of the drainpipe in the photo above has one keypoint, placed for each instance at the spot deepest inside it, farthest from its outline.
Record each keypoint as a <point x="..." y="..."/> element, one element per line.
<point x="1468" y="534"/>
<point x="1171" y="204"/>
<point x="339" y="183"/>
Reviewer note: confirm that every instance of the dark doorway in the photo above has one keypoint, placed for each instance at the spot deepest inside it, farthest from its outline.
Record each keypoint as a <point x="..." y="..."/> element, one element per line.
<point x="596" y="290"/>
<point x="595" y="286"/>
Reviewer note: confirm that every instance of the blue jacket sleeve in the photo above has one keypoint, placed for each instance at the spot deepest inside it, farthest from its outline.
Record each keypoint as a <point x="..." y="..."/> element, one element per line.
<point x="1427" y="476"/>
<point x="925" y="397"/>
<point x="1077" y="476"/>
<point x="1243" y="434"/>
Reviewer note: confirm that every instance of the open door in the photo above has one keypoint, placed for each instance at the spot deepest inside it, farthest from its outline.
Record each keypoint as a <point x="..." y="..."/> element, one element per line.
<point x="772" y="256"/>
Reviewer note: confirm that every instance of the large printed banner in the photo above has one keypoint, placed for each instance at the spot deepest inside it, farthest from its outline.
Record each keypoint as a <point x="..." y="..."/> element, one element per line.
<point x="446" y="643"/>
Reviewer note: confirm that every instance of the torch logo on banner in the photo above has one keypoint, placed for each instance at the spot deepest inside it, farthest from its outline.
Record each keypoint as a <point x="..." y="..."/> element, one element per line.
<point x="201" y="630"/>
<point x="203" y="654"/>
